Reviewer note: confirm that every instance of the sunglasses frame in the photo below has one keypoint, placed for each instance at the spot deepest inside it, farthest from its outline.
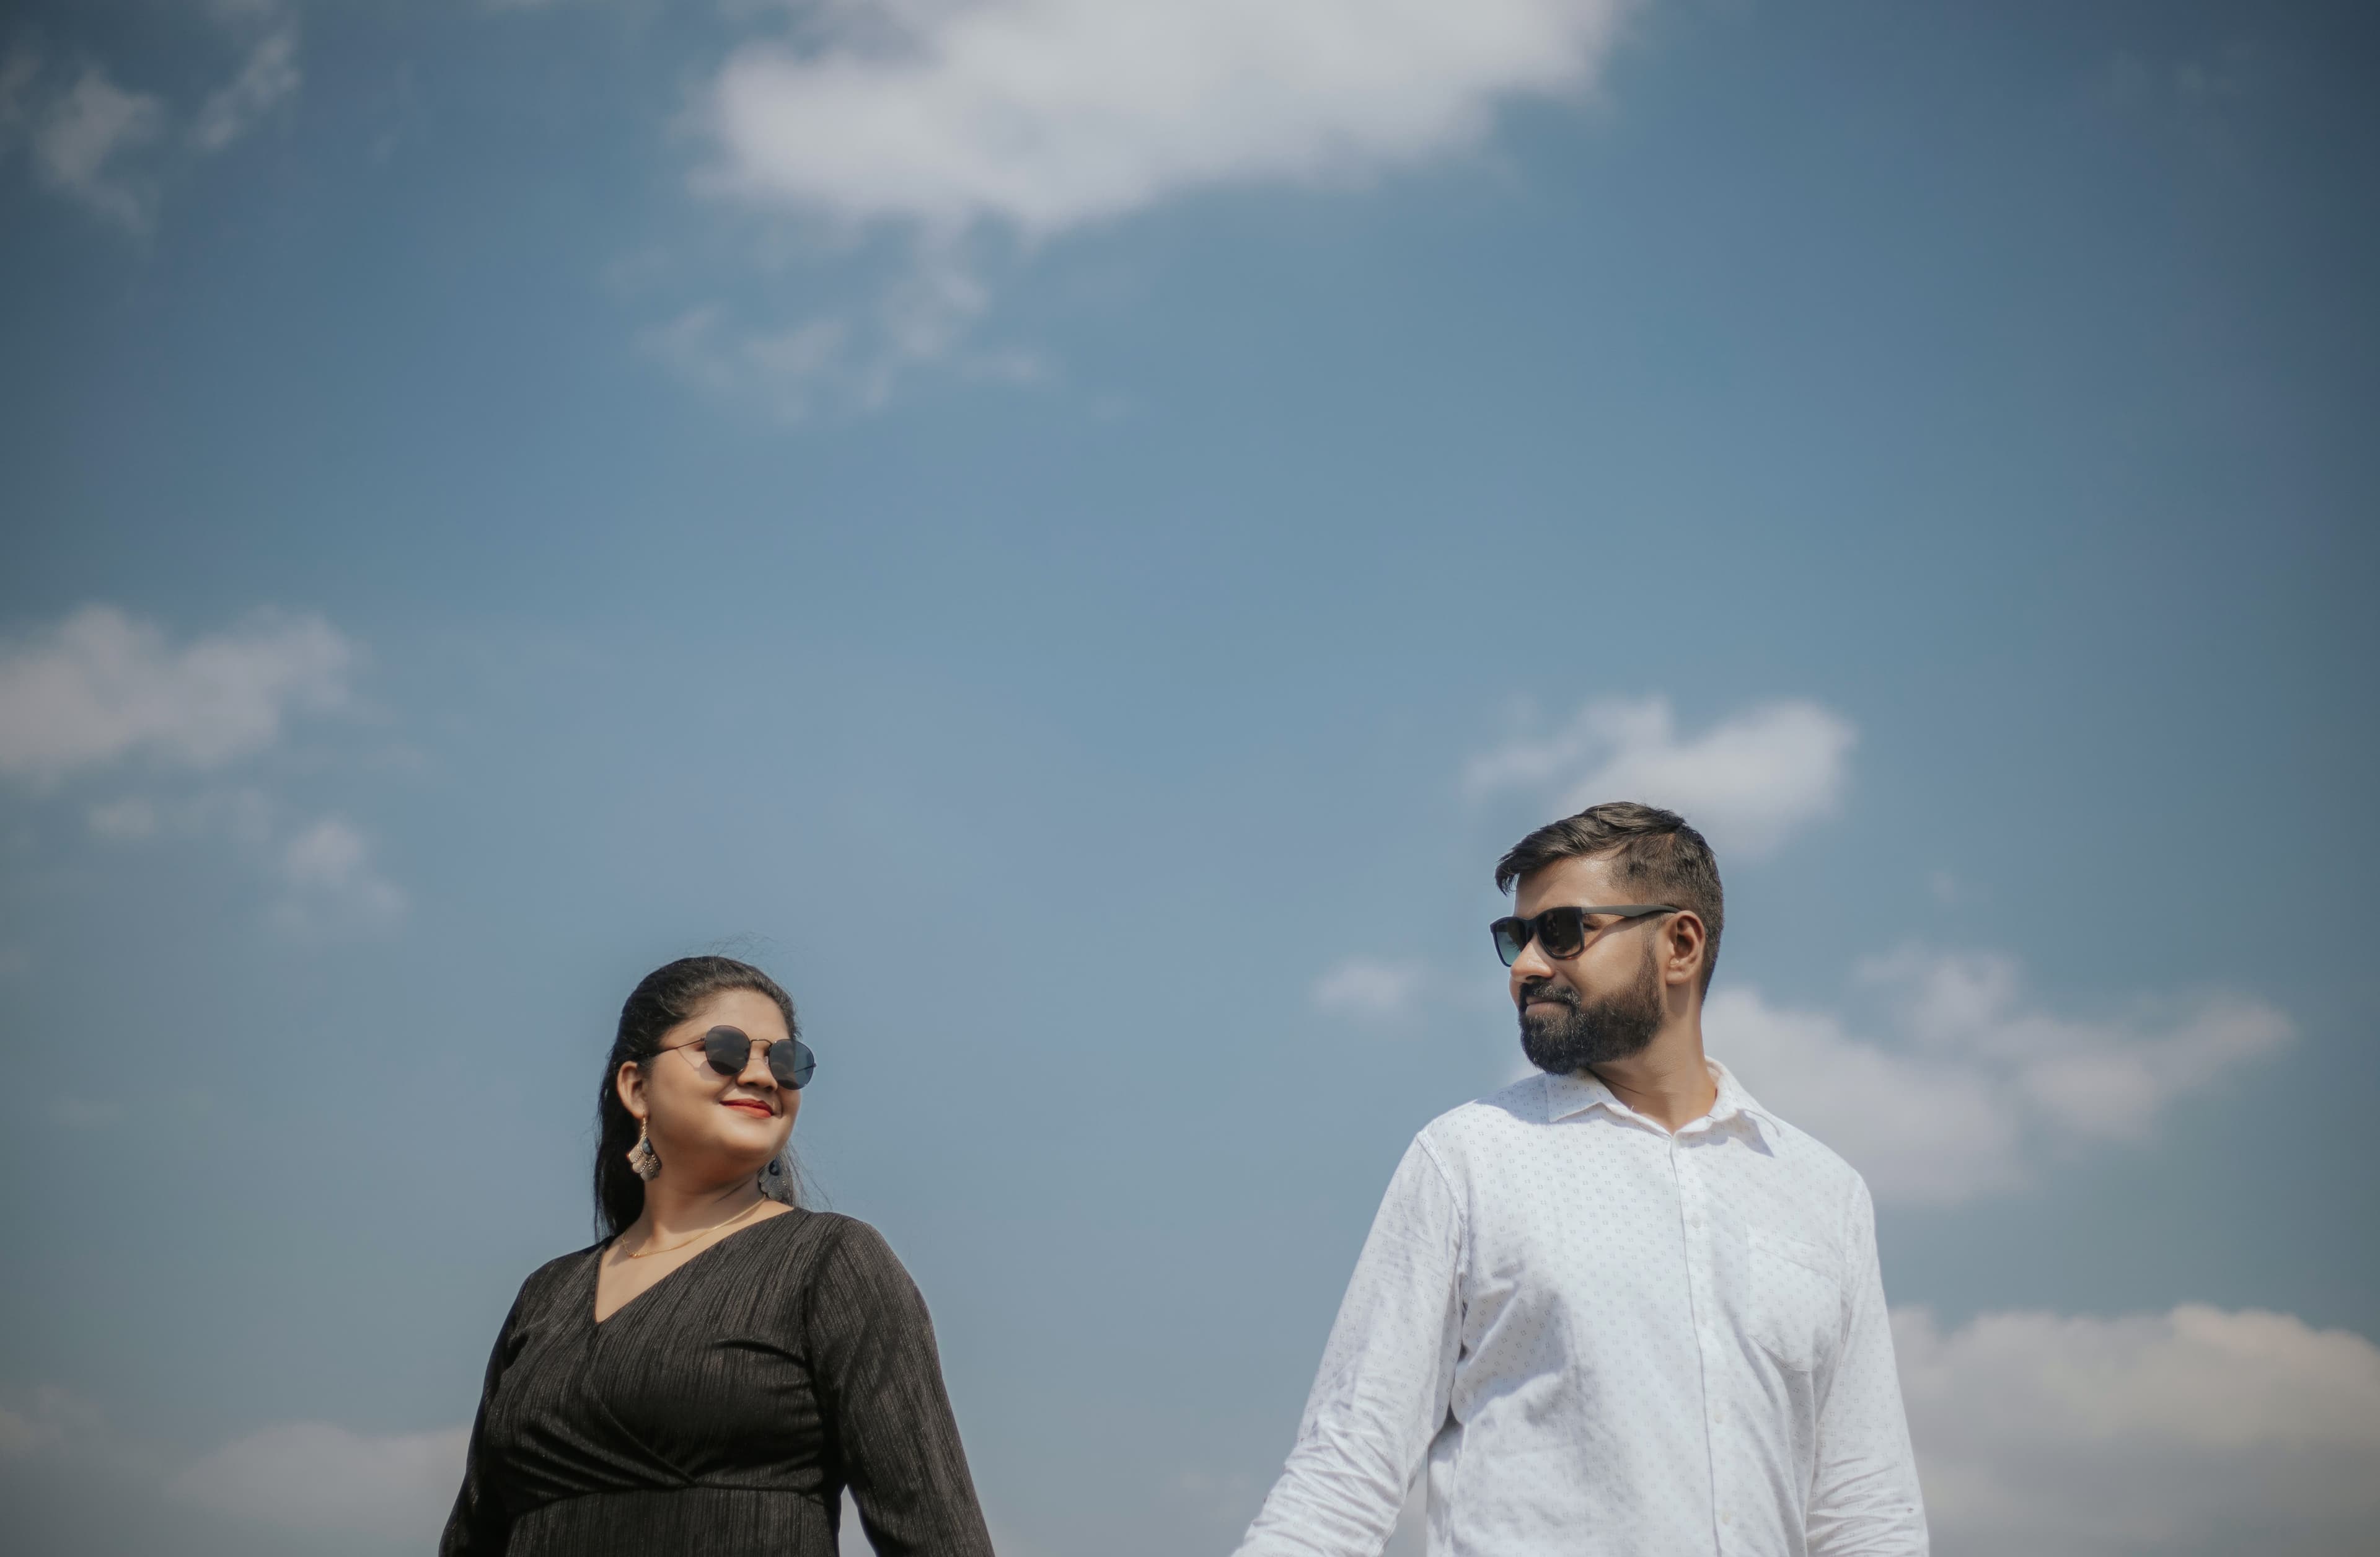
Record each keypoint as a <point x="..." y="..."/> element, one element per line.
<point x="805" y="1063"/>
<point x="1535" y="926"/>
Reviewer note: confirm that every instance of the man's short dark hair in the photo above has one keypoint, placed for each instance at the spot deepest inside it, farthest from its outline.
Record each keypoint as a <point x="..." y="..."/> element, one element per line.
<point x="1659" y="859"/>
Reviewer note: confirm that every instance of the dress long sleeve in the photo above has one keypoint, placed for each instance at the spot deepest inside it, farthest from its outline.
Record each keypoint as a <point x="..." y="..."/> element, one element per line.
<point x="881" y="1388"/>
<point x="478" y="1526"/>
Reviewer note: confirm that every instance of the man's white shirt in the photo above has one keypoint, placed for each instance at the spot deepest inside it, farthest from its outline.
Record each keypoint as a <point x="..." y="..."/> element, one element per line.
<point x="1606" y="1339"/>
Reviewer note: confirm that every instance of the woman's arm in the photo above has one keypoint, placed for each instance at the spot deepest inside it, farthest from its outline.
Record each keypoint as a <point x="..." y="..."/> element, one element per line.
<point x="479" y="1526"/>
<point x="881" y="1387"/>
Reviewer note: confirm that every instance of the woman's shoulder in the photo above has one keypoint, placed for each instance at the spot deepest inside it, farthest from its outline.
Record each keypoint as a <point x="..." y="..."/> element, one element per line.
<point x="827" y="1242"/>
<point x="543" y="1281"/>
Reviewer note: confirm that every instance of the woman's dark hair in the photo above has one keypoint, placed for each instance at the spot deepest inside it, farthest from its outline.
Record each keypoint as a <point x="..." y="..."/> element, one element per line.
<point x="666" y="996"/>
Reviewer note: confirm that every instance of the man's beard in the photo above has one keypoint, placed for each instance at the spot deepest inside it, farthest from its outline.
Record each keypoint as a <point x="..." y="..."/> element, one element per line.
<point x="1580" y="1034"/>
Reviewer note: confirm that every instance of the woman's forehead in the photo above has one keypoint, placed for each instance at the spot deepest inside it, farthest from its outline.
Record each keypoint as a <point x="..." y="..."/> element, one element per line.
<point x="748" y="1009"/>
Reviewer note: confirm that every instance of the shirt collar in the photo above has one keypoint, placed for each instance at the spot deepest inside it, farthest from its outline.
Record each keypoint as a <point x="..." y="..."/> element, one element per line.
<point x="1566" y="1095"/>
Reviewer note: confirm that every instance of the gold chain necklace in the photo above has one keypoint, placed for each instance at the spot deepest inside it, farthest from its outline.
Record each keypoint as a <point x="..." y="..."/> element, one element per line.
<point x="716" y="1227"/>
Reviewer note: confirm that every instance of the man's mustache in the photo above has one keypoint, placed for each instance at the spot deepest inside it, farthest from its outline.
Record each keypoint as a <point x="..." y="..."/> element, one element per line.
<point x="1547" y="989"/>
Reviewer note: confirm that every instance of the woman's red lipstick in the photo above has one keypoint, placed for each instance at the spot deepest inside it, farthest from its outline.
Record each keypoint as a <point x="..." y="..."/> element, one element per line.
<point x="763" y="1109"/>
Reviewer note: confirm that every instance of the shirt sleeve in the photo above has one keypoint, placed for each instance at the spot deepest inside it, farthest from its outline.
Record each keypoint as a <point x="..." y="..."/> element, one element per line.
<point x="1386" y="1375"/>
<point x="879" y="1381"/>
<point x="1863" y="1497"/>
<point x="479" y="1526"/>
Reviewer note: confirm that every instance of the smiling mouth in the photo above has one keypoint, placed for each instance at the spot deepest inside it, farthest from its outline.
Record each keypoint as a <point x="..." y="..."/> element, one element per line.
<point x="749" y="1106"/>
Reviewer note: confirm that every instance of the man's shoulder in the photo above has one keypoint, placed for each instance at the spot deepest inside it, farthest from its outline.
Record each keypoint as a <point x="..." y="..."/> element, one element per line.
<point x="1804" y="1152"/>
<point x="1454" y="1137"/>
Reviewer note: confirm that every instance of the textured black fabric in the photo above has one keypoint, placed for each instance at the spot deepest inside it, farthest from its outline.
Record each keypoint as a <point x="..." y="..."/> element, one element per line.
<point x="721" y="1411"/>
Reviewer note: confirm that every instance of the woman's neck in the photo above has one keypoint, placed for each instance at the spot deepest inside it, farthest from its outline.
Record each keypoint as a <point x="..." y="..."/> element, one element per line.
<point x="673" y="1211"/>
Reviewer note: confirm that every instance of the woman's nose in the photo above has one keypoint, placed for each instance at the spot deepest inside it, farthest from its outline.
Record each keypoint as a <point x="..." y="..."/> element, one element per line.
<point x="756" y="1072"/>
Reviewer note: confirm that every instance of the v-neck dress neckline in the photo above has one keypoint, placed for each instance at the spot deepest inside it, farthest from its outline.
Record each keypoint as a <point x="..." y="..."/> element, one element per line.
<point x="595" y="1282"/>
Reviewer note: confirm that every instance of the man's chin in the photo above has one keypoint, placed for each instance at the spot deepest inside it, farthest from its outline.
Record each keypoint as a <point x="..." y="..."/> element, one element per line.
<point x="1567" y="1053"/>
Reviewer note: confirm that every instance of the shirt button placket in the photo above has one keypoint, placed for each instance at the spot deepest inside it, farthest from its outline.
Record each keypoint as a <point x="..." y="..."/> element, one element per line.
<point x="1703" y="1290"/>
<point x="1704" y="1284"/>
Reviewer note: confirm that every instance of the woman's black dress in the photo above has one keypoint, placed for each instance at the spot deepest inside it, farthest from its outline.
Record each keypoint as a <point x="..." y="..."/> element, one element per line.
<point x="720" y="1412"/>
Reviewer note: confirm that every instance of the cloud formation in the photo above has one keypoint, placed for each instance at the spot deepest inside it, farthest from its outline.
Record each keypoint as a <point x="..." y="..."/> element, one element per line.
<point x="1047" y="114"/>
<point x="1977" y="1083"/>
<point x="1749" y="782"/>
<point x="1369" y="989"/>
<point x="2191" y="1433"/>
<point x="330" y="884"/>
<point x="42" y="1418"/>
<point x="324" y="1479"/>
<point x="269" y="76"/>
<point x="104" y="146"/>
<point x="946" y="120"/>
<point x="103" y="687"/>
<point x="85" y="138"/>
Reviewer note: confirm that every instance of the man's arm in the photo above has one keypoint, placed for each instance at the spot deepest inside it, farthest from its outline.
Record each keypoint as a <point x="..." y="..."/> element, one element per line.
<point x="1863" y="1497"/>
<point x="1386" y="1375"/>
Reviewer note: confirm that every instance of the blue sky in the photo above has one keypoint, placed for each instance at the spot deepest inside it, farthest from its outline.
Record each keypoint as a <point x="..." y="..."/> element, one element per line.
<point x="1080" y="565"/>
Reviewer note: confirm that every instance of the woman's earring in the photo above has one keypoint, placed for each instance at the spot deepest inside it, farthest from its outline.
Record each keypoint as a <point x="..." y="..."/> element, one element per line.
<point x="643" y="1161"/>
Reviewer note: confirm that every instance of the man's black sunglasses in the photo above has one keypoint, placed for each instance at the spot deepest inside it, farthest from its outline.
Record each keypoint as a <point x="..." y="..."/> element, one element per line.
<point x="1563" y="932"/>
<point x="729" y="1050"/>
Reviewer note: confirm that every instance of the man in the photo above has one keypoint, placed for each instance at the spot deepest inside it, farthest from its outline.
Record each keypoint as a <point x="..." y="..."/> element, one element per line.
<point x="1619" y="1306"/>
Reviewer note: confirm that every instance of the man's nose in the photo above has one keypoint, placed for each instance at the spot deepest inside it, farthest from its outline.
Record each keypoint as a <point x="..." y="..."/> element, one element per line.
<point x="1532" y="962"/>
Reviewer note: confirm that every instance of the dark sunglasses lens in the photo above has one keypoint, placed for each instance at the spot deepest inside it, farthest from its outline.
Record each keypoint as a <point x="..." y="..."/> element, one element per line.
<point x="1510" y="936"/>
<point x="1561" y="931"/>
<point x="791" y="1063"/>
<point x="727" y="1050"/>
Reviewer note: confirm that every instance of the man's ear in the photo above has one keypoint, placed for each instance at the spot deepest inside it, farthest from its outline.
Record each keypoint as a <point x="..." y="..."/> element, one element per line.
<point x="1685" y="943"/>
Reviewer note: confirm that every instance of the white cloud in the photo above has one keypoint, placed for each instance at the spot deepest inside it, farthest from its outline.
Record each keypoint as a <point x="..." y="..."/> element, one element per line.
<point x="1977" y="1084"/>
<point x="2191" y="1433"/>
<point x="1045" y="113"/>
<point x="269" y="76"/>
<point x="1748" y="783"/>
<point x="923" y="316"/>
<point x="84" y="138"/>
<point x="1369" y="989"/>
<point x="945" y="118"/>
<point x="102" y="687"/>
<point x="42" y="1418"/>
<point x="324" y="1479"/>
<point x="332" y="884"/>
<point x="2106" y="1079"/>
<point x="783" y="373"/>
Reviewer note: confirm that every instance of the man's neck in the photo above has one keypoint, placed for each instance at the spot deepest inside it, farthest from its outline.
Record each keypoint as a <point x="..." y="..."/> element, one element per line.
<point x="1668" y="1081"/>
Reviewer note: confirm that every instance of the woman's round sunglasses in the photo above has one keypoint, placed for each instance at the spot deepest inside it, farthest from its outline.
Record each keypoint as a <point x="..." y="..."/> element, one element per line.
<point x="1562" y="933"/>
<point x="729" y="1050"/>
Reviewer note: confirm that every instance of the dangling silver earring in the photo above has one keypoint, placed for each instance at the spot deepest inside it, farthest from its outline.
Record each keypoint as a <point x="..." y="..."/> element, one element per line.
<point x="643" y="1161"/>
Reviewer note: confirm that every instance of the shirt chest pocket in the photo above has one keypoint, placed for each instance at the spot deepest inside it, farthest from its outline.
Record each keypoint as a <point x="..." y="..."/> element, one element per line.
<point x="1797" y="1300"/>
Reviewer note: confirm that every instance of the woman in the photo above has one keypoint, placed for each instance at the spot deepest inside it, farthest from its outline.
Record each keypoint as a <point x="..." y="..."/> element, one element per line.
<point x="710" y="1377"/>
